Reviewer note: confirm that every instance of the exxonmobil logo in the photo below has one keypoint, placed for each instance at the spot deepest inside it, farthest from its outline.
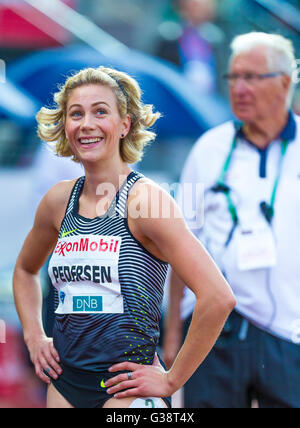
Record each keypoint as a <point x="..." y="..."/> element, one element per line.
<point x="90" y="245"/>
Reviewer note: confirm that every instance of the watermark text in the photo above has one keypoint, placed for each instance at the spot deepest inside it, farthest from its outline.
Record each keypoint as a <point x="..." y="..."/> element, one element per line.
<point x="295" y="328"/>
<point x="2" y="331"/>
<point x="296" y="72"/>
<point x="2" y="71"/>
<point x="166" y="201"/>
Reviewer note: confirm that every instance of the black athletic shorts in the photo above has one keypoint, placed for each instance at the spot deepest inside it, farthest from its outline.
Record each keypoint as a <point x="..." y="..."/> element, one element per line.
<point x="84" y="389"/>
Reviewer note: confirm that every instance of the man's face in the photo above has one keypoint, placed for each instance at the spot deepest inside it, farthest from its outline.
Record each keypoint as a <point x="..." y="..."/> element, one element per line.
<point x="257" y="99"/>
<point x="198" y="11"/>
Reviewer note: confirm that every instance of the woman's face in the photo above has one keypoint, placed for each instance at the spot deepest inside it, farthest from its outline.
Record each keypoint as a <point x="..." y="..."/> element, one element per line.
<point x="93" y="123"/>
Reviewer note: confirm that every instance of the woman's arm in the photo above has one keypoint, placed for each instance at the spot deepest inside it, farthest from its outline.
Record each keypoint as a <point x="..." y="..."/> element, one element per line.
<point x="26" y="283"/>
<point x="214" y="302"/>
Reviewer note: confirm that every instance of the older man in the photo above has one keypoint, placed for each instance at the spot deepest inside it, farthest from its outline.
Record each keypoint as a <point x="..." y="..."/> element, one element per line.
<point x="251" y="174"/>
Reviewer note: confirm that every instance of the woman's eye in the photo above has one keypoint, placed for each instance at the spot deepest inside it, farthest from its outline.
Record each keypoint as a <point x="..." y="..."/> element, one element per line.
<point x="100" y="111"/>
<point x="76" y="114"/>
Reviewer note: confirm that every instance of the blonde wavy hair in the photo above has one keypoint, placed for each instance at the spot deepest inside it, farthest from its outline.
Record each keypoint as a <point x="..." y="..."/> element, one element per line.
<point x="51" y="121"/>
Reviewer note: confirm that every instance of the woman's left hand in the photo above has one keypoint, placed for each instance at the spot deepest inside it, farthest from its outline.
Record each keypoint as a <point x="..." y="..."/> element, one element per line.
<point x="144" y="381"/>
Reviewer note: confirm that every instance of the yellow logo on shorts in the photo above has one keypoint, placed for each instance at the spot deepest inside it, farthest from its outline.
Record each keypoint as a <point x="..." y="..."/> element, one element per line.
<point x="102" y="384"/>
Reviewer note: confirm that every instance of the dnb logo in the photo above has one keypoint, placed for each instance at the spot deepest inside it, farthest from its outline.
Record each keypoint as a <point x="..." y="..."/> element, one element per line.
<point x="87" y="304"/>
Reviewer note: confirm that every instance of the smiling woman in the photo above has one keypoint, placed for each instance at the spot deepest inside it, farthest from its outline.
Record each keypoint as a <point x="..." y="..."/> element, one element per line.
<point x="128" y="103"/>
<point x="108" y="266"/>
<point x="93" y="124"/>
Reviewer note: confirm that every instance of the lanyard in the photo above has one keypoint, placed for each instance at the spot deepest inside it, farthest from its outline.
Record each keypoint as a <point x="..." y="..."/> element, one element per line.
<point x="267" y="209"/>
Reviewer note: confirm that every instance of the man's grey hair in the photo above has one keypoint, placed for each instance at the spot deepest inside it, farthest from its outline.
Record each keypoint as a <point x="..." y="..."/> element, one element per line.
<point x="280" y="53"/>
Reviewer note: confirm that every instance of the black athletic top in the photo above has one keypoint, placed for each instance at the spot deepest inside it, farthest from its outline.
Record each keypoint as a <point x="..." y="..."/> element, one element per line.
<point x="108" y="288"/>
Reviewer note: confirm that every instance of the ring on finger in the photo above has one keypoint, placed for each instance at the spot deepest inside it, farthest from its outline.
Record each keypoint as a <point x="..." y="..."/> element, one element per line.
<point x="129" y="374"/>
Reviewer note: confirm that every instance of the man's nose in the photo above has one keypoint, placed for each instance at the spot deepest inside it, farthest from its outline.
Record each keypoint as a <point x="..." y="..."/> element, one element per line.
<point x="240" y="86"/>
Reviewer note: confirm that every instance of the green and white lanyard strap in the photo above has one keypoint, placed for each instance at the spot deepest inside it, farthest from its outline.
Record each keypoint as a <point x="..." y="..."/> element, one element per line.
<point x="267" y="209"/>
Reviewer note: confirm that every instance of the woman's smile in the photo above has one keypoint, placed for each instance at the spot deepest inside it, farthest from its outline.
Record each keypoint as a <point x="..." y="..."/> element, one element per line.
<point x="90" y="142"/>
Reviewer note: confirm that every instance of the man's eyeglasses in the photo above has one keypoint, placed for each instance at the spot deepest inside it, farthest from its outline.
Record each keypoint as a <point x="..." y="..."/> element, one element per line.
<point x="249" y="78"/>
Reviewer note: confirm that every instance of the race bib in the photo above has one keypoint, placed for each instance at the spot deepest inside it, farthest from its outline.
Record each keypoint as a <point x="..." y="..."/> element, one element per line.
<point x="84" y="270"/>
<point x="256" y="248"/>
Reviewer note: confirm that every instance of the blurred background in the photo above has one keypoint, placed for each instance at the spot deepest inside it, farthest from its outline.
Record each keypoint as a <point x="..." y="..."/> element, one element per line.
<point x="176" y="49"/>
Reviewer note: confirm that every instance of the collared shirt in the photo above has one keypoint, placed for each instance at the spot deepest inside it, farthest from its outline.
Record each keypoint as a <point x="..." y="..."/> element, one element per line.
<point x="268" y="297"/>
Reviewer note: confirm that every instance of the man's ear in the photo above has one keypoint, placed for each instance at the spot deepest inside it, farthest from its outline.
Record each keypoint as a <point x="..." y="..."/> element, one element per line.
<point x="286" y="81"/>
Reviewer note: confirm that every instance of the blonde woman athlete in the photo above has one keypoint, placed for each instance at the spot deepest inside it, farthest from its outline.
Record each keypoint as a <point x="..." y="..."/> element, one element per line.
<point x="109" y="258"/>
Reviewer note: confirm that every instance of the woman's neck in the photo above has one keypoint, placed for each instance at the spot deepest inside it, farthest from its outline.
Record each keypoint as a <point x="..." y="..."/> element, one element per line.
<point x="100" y="179"/>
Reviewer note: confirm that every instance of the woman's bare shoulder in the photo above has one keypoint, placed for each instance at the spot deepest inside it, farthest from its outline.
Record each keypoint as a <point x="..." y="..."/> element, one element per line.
<point x="56" y="200"/>
<point x="60" y="191"/>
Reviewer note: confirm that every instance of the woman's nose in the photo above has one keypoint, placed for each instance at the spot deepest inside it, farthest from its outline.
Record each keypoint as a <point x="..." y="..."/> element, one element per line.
<point x="87" y="122"/>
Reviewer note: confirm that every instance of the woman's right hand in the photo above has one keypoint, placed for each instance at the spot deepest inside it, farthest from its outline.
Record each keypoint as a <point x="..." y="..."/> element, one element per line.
<point x="44" y="357"/>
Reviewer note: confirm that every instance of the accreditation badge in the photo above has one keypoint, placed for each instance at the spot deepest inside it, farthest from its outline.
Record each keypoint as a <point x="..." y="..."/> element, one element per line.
<point x="256" y="248"/>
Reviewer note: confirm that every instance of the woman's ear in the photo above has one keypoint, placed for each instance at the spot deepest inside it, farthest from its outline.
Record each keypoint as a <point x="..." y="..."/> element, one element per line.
<point x="126" y="126"/>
